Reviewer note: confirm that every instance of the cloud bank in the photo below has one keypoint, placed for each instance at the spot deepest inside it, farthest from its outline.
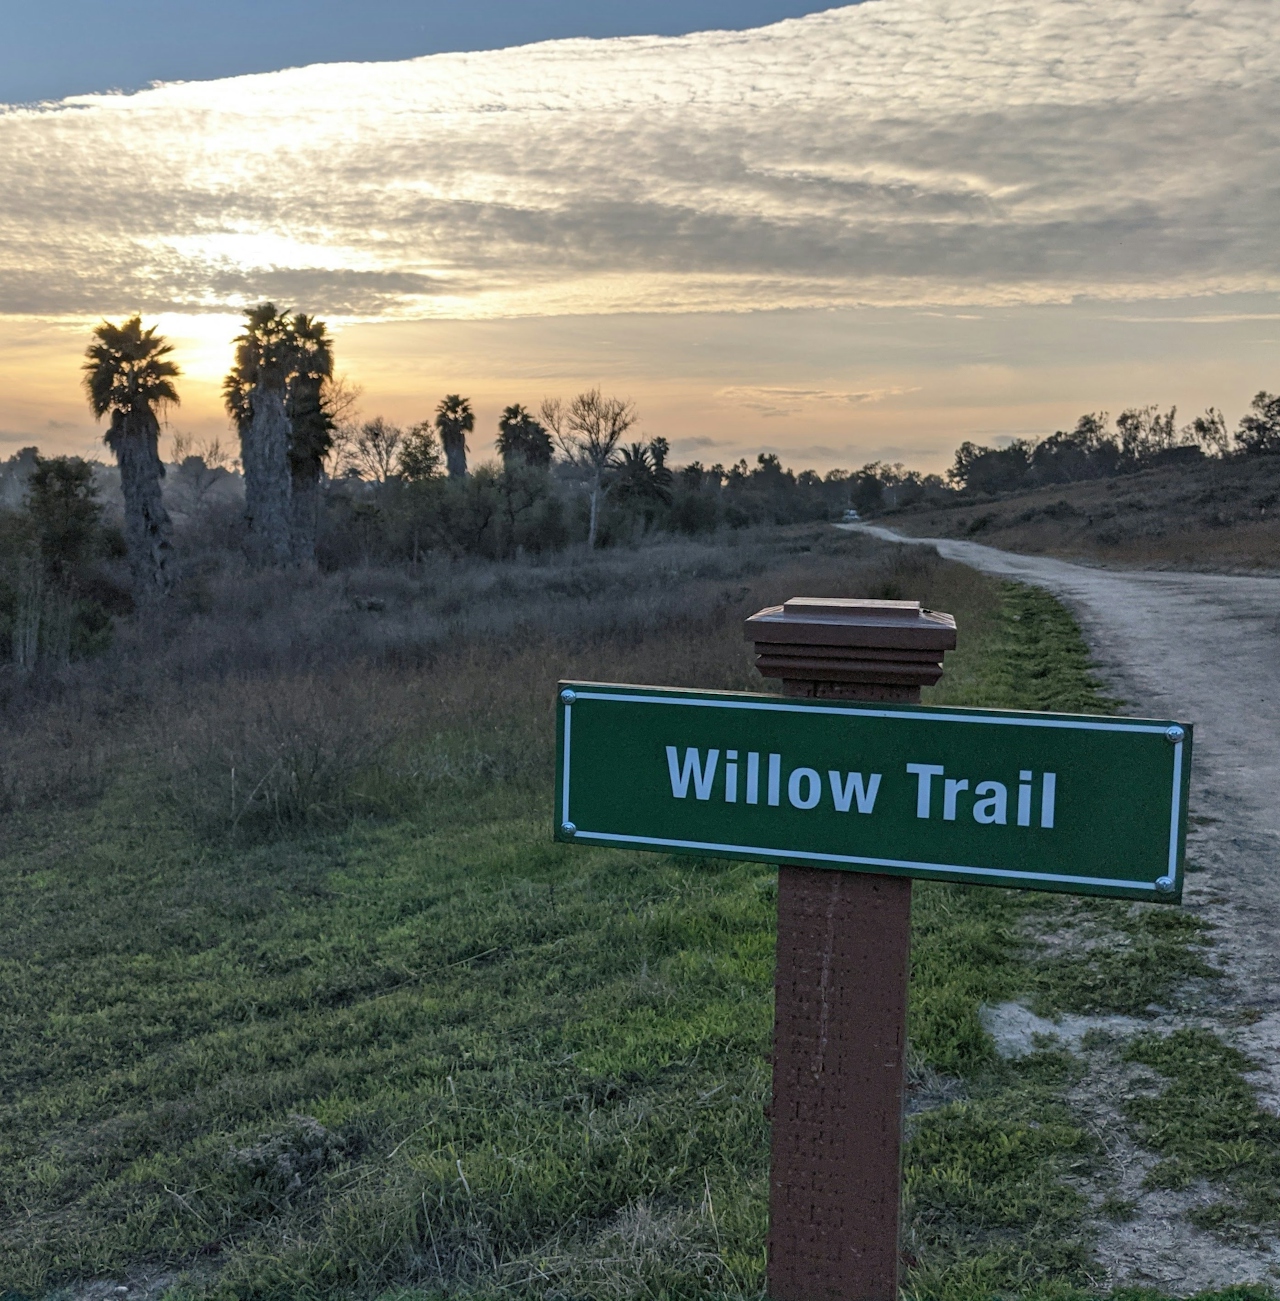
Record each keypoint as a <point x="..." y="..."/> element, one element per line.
<point x="896" y="152"/>
<point x="776" y="400"/>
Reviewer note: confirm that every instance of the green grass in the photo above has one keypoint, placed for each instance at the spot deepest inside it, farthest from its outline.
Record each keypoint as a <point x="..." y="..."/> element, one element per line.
<point x="991" y="1206"/>
<point x="1206" y="1124"/>
<point x="993" y="1212"/>
<point x="440" y="1052"/>
<point x="1122" y="960"/>
<point x="500" y="1038"/>
<point x="1031" y="656"/>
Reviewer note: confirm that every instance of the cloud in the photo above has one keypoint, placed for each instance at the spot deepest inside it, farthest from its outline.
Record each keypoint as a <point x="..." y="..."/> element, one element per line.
<point x="697" y="443"/>
<point x="820" y="453"/>
<point x="929" y="152"/>
<point x="1207" y="318"/>
<point x="778" y="401"/>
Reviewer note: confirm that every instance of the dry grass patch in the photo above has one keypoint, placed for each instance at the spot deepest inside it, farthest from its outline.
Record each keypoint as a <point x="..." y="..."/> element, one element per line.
<point x="1219" y="515"/>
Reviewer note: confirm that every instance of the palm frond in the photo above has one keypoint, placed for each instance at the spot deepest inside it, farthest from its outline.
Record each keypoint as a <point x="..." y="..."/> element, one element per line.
<point x="312" y="348"/>
<point x="264" y="355"/>
<point x="127" y="369"/>
<point x="454" y="420"/>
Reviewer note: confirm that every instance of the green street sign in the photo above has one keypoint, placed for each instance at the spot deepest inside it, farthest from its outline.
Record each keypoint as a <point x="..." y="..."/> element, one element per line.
<point x="1065" y="802"/>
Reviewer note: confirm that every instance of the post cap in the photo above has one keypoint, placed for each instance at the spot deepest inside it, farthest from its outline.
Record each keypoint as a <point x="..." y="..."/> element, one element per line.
<point x="837" y="621"/>
<point x="821" y="607"/>
<point x="852" y="648"/>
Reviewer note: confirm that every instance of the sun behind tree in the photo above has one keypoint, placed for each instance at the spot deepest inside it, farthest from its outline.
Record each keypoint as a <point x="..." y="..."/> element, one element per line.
<point x="128" y="374"/>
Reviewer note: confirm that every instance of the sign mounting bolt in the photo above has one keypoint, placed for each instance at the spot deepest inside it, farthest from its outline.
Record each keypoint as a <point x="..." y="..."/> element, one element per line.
<point x="1164" y="884"/>
<point x="1175" y="734"/>
<point x="568" y="829"/>
<point x="568" y="696"/>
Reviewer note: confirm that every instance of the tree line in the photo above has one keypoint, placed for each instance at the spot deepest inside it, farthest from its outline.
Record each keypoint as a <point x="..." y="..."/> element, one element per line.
<point x="321" y="487"/>
<point x="1142" y="439"/>
<point x="314" y="479"/>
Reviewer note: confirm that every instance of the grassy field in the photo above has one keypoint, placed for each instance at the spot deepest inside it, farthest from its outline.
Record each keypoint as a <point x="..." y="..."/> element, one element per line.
<point x="300" y="999"/>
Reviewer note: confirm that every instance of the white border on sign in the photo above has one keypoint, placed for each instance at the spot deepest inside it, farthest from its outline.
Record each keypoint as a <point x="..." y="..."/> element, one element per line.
<point x="998" y="720"/>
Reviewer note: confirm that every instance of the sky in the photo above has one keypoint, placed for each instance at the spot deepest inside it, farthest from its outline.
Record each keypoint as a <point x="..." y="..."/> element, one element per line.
<point x="68" y="47"/>
<point x="856" y="234"/>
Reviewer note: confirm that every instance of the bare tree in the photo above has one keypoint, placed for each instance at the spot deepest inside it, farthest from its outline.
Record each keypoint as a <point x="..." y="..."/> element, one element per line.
<point x="342" y="398"/>
<point x="588" y="432"/>
<point x="201" y="463"/>
<point x="375" y="449"/>
<point x="342" y="401"/>
<point x="208" y="450"/>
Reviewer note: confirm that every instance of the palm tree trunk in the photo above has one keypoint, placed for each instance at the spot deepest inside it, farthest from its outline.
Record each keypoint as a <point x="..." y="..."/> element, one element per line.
<point x="264" y="453"/>
<point x="304" y="514"/>
<point x="455" y="453"/>
<point x="148" y="530"/>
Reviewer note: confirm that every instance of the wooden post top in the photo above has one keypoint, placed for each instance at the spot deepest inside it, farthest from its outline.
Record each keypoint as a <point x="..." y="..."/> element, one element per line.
<point x="843" y="649"/>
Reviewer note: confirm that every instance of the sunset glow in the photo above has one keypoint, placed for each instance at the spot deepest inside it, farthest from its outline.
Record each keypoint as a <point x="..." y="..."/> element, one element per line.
<point x="862" y="233"/>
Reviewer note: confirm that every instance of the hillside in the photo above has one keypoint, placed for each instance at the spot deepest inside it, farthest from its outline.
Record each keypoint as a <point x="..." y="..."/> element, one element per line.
<point x="1216" y="515"/>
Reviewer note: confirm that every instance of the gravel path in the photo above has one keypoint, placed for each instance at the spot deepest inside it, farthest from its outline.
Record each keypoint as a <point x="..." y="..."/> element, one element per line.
<point x="1201" y="648"/>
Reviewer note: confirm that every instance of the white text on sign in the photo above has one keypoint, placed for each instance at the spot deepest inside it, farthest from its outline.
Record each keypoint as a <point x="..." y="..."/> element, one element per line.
<point x="986" y="800"/>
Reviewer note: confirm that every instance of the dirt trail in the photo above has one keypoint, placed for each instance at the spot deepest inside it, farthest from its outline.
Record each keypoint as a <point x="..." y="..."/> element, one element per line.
<point x="1202" y="648"/>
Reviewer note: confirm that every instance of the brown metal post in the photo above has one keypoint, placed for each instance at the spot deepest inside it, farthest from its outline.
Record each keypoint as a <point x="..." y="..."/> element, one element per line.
<point x="840" y="1018"/>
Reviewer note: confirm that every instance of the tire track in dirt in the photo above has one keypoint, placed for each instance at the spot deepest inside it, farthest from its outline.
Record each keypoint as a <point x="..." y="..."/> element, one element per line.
<point x="1204" y="648"/>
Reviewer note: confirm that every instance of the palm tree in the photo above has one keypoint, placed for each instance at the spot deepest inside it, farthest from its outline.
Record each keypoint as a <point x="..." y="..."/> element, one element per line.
<point x="127" y="373"/>
<point x="521" y="438"/>
<point x="312" y="425"/>
<point x="255" y="393"/>
<point x="641" y="479"/>
<point x="454" y="421"/>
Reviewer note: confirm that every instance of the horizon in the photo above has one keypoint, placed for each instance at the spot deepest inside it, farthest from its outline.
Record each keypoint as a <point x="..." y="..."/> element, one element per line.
<point x="984" y="243"/>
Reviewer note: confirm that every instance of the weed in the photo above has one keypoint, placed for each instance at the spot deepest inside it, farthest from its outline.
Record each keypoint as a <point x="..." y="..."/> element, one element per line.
<point x="1117" y="1209"/>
